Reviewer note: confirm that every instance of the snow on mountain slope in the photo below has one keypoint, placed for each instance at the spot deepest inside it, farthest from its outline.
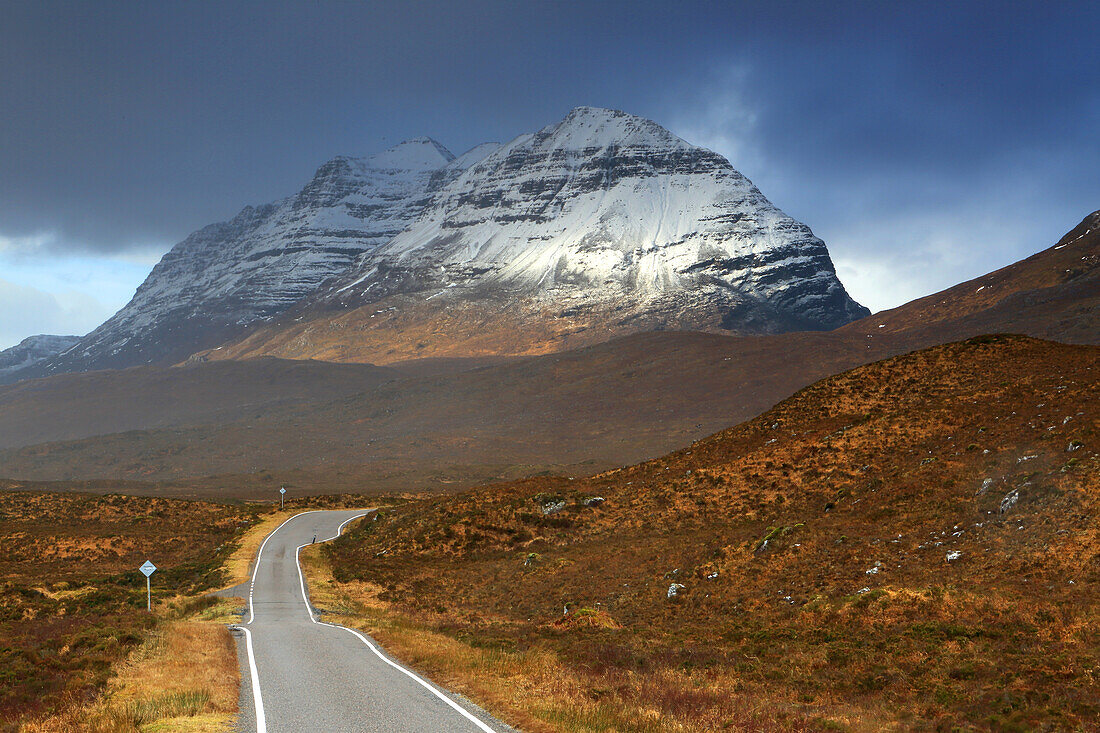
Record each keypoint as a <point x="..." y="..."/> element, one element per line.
<point x="31" y="351"/>
<point x="222" y="278"/>
<point x="605" y="205"/>
<point x="602" y="224"/>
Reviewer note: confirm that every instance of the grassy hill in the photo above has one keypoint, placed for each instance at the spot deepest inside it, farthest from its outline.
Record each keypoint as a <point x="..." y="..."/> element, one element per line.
<point x="913" y="543"/>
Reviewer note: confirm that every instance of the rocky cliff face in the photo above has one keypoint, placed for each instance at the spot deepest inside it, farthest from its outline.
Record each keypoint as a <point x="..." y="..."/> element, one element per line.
<point x="224" y="277"/>
<point x="31" y="351"/>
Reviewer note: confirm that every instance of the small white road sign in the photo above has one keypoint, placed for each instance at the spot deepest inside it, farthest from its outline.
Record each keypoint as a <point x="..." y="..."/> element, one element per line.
<point x="148" y="568"/>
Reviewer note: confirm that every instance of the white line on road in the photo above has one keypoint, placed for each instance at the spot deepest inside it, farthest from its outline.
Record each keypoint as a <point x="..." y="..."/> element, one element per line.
<point x="259" y="554"/>
<point x="427" y="685"/>
<point x="261" y="721"/>
<point x="257" y="698"/>
<point x="424" y="683"/>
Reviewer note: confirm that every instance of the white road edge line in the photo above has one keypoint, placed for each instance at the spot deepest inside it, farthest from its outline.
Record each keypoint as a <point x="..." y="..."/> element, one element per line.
<point x="259" y="554"/>
<point x="261" y="720"/>
<point x="423" y="683"/>
<point x="257" y="697"/>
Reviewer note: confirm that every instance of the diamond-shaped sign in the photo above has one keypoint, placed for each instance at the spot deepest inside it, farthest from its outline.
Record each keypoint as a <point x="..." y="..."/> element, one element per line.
<point x="282" y="491"/>
<point x="147" y="568"/>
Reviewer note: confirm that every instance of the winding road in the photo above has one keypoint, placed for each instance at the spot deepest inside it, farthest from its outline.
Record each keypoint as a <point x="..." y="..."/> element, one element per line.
<point x="301" y="674"/>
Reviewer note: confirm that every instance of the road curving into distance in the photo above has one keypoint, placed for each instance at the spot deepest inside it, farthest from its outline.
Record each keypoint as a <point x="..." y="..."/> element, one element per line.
<point x="301" y="674"/>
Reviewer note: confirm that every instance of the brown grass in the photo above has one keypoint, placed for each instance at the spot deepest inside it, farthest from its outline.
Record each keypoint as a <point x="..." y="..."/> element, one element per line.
<point x="184" y="676"/>
<point x="79" y="650"/>
<point x="881" y="469"/>
<point x="537" y="689"/>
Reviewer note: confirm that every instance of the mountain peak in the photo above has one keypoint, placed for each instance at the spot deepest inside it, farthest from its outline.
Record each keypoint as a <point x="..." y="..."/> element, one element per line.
<point x="596" y="127"/>
<point x="32" y="350"/>
<point x="417" y="154"/>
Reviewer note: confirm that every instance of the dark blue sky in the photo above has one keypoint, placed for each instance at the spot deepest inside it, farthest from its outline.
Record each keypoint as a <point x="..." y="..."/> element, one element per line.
<point x="924" y="146"/>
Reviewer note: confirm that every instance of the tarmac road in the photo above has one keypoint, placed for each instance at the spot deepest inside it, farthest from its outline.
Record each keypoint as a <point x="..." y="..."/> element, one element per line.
<point x="300" y="674"/>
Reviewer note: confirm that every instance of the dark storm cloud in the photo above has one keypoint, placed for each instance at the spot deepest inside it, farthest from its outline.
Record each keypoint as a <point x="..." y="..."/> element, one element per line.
<point x="130" y="124"/>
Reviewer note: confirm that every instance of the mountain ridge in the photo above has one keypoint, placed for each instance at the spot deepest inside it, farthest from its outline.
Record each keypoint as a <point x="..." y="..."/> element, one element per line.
<point x="32" y="351"/>
<point x="227" y="275"/>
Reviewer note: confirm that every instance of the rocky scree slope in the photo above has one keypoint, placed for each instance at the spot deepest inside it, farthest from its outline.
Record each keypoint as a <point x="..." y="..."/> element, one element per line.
<point x="211" y="286"/>
<point x="599" y="225"/>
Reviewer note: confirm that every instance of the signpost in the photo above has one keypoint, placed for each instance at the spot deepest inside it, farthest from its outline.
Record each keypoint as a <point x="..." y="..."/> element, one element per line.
<point x="148" y="568"/>
<point x="282" y="493"/>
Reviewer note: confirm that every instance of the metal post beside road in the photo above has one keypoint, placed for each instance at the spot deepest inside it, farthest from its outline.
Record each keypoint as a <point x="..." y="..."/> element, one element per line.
<point x="282" y="493"/>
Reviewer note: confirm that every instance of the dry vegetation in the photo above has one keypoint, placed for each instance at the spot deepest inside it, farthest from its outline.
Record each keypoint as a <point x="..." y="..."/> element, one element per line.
<point x="72" y="610"/>
<point x="183" y="677"/>
<point x="812" y="545"/>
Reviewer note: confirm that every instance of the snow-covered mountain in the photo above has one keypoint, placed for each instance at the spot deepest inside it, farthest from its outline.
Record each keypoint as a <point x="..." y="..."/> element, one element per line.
<point x="225" y="276"/>
<point x="601" y="224"/>
<point x="31" y="351"/>
<point x="606" y="206"/>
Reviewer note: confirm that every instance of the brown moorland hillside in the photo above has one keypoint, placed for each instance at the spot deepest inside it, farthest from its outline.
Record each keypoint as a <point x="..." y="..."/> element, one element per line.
<point x="1054" y="294"/>
<point x="242" y="428"/>
<point x="579" y="411"/>
<point x="72" y="602"/>
<point x="910" y="544"/>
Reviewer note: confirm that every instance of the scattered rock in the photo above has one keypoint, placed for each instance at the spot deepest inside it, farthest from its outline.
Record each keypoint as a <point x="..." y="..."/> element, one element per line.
<point x="986" y="484"/>
<point x="550" y="503"/>
<point x="594" y="501"/>
<point x="1010" y="500"/>
<point x="675" y="589"/>
<point x="1074" y="445"/>
<point x="953" y="555"/>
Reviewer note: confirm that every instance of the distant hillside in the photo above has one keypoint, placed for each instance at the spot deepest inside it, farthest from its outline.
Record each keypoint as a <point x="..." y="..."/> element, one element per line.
<point x="31" y="351"/>
<point x="1054" y="294"/>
